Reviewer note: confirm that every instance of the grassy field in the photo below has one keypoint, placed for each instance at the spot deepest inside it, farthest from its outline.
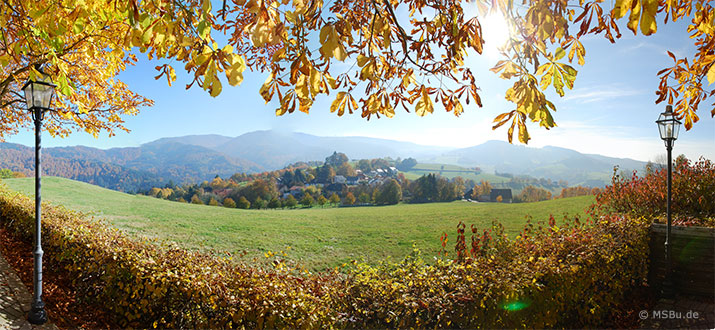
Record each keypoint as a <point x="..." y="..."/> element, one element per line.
<point x="451" y="171"/>
<point x="318" y="237"/>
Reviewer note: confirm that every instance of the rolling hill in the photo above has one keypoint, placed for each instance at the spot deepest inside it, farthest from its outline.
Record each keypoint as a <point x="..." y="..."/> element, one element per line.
<point x="195" y="158"/>
<point x="127" y="169"/>
<point x="274" y="150"/>
<point x="548" y="162"/>
<point x="317" y="237"/>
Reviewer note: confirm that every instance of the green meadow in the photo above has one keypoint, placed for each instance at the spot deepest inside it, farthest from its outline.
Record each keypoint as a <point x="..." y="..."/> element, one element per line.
<point x="451" y="171"/>
<point x="316" y="238"/>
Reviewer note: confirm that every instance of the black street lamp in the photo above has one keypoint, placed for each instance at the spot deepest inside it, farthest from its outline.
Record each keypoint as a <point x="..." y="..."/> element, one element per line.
<point x="38" y="96"/>
<point x="668" y="126"/>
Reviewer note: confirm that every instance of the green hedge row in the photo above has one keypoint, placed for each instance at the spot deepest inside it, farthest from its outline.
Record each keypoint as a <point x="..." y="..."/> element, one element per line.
<point x="547" y="277"/>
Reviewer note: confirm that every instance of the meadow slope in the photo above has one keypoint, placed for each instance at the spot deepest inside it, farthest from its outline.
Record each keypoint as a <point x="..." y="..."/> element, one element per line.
<point x="317" y="237"/>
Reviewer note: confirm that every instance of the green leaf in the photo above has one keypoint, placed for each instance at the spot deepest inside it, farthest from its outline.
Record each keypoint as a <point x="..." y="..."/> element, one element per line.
<point x="203" y="29"/>
<point x="560" y="53"/>
<point x="558" y="83"/>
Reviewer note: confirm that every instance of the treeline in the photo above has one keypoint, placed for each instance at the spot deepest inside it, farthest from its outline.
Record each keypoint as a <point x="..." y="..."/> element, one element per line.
<point x="337" y="181"/>
<point x="520" y="182"/>
<point x="9" y="174"/>
<point x="21" y="159"/>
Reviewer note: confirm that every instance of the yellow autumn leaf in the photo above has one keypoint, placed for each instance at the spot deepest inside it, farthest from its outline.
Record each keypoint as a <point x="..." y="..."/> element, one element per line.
<point x="622" y="7"/>
<point x="711" y="74"/>
<point x="362" y="59"/>
<point x="635" y="16"/>
<point x="302" y="90"/>
<point x="650" y="9"/>
<point x="424" y="105"/>
<point x="336" y="105"/>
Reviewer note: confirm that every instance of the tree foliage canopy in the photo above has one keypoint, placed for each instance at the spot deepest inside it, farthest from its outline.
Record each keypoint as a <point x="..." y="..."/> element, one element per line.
<point x="370" y="57"/>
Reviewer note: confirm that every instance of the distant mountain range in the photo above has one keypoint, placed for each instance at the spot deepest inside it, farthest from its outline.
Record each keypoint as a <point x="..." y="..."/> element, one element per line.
<point x="275" y="150"/>
<point x="548" y="162"/>
<point x="127" y="169"/>
<point x="196" y="158"/>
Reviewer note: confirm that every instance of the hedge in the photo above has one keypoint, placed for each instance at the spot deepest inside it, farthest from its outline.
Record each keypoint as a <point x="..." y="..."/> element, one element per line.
<point x="146" y="284"/>
<point x="693" y="193"/>
<point x="549" y="276"/>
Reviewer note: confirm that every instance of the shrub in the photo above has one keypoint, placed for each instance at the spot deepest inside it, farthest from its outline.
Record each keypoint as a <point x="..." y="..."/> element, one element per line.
<point x="307" y="200"/>
<point x="577" y="191"/>
<point x="228" y="202"/>
<point x="334" y="199"/>
<point x="243" y="203"/>
<point x="259" y="203"/>
<point x="364" y="198"/>
<point x="290" y="201"/>
<point x="274" y="203"/>
<point x="213" y="202"/>
<point x="549" y="276"/>
<point x="349" y="199"/>
<point x="322" y="200"/>
<point x="569" y="276"/>
<point x="693" y="193"/>
<point x="196" y="200"/>
<point x="533" y="194"/>
<point x="149" y="284"/>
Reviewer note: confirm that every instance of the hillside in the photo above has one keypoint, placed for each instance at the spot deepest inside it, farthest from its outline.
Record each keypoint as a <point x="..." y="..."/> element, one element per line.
<point x="127" y="169"/>
<point x="274" y="149"/>
<point x="196" y="158"/>
<point x="548" y="162"/>
<point x="318" y="237"/>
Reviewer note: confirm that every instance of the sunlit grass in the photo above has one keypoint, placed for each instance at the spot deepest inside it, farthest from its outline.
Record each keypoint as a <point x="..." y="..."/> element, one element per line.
<point x="317" y="237"/>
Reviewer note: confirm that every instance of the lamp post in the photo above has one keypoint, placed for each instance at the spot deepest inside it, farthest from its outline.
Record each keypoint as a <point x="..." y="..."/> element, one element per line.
<point x="38" y="96"/>
<point x="668" y="126"/>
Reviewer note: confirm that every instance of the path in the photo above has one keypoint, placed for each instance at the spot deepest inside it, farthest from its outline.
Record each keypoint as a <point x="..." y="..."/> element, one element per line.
<point x="683" y="312"/>
<point x="15" y="301"/>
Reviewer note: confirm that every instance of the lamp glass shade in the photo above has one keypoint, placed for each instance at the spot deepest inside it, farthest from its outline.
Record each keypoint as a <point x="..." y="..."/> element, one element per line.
<point x="39" y="93"/>
<point x="668" y="126"/>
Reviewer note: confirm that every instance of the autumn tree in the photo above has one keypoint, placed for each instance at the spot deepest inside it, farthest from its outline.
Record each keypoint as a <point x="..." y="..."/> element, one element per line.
<point x="345" y="169"/>
<point x="228" y="202"/>
<point x="533" y="194"/>
<point x="84" y="45"/>
<point x="484" y="188"/>
<point x="389" y="193"/>
<point x="407" y="164"/>
<point x="399" y="54"/>
<point x="259" y="203"/>
<point x="335" y="199"/>
<point x="196" y="200"/>
<point x="364" y="198"/>
<point x="274" y="203"/>
<point x="349" y="199"/>
<point x="213" y="202"/>
<point x="290" y="201"/>
<point x="307" y="200"/>
<point x="243" y="203"/>
<point x="324" y="174"/>
<point x="322" y="200"/>
<point x="336" y="159"/>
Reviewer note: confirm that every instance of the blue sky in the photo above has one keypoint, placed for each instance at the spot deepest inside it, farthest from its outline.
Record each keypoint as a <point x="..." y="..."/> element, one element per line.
<point x="610" y="111"/>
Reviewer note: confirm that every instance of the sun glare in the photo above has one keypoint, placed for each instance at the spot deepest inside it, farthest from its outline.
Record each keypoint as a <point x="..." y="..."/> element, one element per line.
<point x="495" y="31"/>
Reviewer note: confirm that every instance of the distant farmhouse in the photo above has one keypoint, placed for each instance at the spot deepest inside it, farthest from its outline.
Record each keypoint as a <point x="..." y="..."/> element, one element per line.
<point x="504" y="193"/>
